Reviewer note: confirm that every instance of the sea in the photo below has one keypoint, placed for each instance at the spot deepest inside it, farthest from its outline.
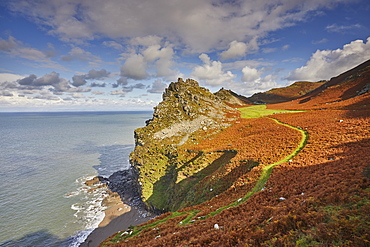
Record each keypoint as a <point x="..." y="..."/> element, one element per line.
<point x="45" y="160"/>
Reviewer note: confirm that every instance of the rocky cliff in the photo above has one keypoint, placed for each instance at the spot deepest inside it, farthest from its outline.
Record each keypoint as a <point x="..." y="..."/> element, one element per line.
<point x="187" y="114"/>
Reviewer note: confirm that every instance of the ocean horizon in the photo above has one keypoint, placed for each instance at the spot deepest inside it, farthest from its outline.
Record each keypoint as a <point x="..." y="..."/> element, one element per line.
<point x="45" y="160"/>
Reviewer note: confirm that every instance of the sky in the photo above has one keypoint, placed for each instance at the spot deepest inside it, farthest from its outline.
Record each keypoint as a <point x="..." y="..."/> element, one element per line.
<point x="120" y="55"/>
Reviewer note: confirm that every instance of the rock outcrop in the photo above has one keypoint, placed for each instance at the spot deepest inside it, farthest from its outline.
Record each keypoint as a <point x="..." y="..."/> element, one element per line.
<point x="188" y="112"/>
<point x="231" y="98"/>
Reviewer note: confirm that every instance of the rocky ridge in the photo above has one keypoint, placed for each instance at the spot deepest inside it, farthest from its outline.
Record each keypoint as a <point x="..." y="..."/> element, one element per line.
<point x="188" y="112"/>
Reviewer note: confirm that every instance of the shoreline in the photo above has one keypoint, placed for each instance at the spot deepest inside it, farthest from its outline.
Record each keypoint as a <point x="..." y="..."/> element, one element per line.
<point x="114" y="224"/>
<point x="119" y="216"/>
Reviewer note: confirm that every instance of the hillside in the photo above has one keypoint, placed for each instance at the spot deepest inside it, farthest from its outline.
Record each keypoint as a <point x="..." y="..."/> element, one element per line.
<point x="343" y="91"/>
<point x="284" y="94"/>
<point x="257" y="175"/>
<point x="232" y="99"/>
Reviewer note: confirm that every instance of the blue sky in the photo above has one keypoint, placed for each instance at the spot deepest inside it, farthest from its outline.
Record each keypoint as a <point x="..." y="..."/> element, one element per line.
<point x="121" y="54"/>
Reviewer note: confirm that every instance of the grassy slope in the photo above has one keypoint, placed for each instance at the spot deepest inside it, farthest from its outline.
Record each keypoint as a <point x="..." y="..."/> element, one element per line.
<point x="257" y="111"/>
<point x="294" y="91"/>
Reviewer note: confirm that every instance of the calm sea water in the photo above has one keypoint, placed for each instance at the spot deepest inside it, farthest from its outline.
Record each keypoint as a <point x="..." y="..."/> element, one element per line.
<point x="45" y="158"/>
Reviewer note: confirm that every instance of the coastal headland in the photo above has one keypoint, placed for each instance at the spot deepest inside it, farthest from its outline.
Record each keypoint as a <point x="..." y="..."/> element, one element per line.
<point x="223" y="171"/>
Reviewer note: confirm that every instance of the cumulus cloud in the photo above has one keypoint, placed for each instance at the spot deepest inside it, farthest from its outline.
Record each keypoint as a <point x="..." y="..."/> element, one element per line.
<point x="198" y="25"/>
<point x="239" y="49"/>
<point x="211" y="72"/>
<point x="78" y="95"/>
<point x="250" y="74"/>
<point x="325" y="64"/>
<point x="97" y="74"/>
<point x="154" y="60"/>
<point x="118" y="92"/>
<point x="96" y="84"/>
<point x="52" y="81"/>
<point x="135" y="67"/>
<point x="127" y="89"/>
<point x="236" y="49"/>
<point x="157" y="87"/>
<point x="162" y="58"/>
<point x="120" y="82"/>
<point x="155" y="52"/>
<point x="253" y="79"/>
<point x="80" y="80"/>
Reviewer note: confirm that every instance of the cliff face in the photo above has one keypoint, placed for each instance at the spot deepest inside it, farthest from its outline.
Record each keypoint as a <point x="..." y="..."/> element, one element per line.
<point x="186" y="114"/>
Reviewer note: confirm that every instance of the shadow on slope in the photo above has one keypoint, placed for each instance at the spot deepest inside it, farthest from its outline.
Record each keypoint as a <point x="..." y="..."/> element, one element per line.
<point x="194" y="189"/>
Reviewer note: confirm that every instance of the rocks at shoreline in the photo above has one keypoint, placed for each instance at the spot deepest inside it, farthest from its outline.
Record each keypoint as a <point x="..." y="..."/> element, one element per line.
<point x="126" y="184"/>
<point x="95" y="180"/>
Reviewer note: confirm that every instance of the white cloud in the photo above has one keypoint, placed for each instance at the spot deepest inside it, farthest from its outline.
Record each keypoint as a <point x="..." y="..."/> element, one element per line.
<point x="240" y="49"/>
<point x="97" y="74"/>
<point x="157" y="87"/>
<point x="97" y="92"/>
<point x="236" y="49"/>
<point x="78" y="95"/>
<point x="321" y="41"/>
<point x="328" y="63"/>
<point x="250" y="74"/>
<point x="335" y="28"/>
<point x="80" y="80"/>
<point x="163" y="59"/>
<point x="198" y="25"/>
<point x="118" y="92"/>
<point x="135" y="67"/>
<point x="113" y="44"/>
<point x="155" y="52"/>
<point x="150" y="40"/>
<point x="254" y="80"/>
<point x="285" y="47"/>
<point x="211" y="72"/>
<point x="32" y="84"/>
<point x="16" y="48"/>
<point x="76" y="53"/>
<point x="153" y="60"/>
<point x="9" y="77"/>
<point x="120" y="82"/>
<point x="269" y="50"/>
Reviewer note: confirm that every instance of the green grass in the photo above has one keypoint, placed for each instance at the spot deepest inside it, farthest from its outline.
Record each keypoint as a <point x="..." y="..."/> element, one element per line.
<point x="257" y="111"/>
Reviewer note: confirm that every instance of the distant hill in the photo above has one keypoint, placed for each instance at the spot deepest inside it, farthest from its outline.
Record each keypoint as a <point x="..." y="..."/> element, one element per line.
<point x="232" y="99"/>
<point x="338" y="92"/>
<point x="283" y="94"/>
